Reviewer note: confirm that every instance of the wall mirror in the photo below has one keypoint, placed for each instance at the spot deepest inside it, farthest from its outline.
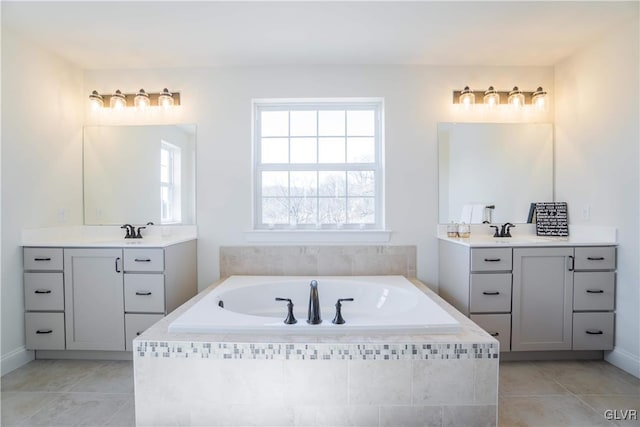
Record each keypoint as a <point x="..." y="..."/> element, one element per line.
<point x="507" y="165"/>
<point x="139" y="174"/>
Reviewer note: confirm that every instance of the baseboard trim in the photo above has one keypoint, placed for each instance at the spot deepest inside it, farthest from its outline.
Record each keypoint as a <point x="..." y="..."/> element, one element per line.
<point x="84" y="354"/>
<point x="14" y="359"/>
<point x="624" y="360"/>
<point x="552" y="355"/>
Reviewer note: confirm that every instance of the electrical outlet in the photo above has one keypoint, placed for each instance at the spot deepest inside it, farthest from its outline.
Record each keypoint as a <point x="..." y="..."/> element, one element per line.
<point x="586" y="213"/>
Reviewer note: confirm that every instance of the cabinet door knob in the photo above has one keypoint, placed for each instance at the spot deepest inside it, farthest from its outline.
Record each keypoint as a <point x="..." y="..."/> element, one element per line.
<point x="42" y="291"/>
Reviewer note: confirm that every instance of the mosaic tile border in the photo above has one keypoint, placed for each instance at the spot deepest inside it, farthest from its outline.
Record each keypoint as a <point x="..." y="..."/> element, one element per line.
<point x="284" y="351"/>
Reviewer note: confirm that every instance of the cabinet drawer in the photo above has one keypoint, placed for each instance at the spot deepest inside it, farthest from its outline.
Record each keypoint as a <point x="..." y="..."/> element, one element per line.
<point x="491" y="259"/>
<point x="43" y="259"/>
<point x="490" y="293"/>
<point x="596" y="258"/>
<point x="135" y="324"/>
<point x="143" y="259"/>
<point x="144" y="293"/>
<point x="43" y="291"/>
<point x="594" y="290"/>
<point x="498" y="326"/>
<point x="593" y="331"/>
<point x="44" y="331"/>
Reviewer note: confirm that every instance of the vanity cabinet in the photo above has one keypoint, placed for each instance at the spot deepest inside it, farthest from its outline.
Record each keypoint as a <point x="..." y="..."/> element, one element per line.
<point x="534" y="298"/>
<point x="101" y="298"/>
<point x="44" y="298"/>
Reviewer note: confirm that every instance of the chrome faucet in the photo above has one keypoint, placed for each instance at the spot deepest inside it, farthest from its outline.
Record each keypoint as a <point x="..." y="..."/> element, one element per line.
<point x="313" y="317"/>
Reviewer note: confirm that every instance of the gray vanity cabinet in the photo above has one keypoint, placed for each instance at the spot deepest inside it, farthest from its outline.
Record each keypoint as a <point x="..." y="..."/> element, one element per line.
<point x="542" y="299"/>
<point x="94" y="302"/>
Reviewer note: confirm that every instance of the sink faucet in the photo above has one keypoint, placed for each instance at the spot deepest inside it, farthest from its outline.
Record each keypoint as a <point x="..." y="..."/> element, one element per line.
<point x="313" y="317"/>
<point x="130" y="231"/>
<point x="503" y="231"/>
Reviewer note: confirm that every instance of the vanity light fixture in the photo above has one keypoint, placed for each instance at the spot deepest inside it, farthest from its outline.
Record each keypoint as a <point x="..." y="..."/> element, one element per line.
<point x="491" y="98"/>
<point x="516" y="98"/>
<point x="118" y="101"/>
<point x="96" y="101"/>
<point x="165" y="100"/>
<point x="539" y="99"/>
<point x="140" y="100"/>
<point x="467" y="97"/>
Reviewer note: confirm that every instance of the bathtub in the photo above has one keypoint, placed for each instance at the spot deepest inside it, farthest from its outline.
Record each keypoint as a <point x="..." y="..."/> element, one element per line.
<point x="382" y="305"/>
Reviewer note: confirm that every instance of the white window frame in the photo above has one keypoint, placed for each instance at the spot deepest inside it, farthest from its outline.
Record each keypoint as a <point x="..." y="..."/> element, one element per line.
<point x="348" y="104"/>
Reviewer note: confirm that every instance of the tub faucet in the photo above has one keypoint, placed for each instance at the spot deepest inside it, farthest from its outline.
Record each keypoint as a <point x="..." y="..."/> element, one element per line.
<point x="313" y="317"/>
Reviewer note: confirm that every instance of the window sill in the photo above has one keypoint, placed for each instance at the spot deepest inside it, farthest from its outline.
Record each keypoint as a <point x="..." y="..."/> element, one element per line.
<point x="318" y="236"/>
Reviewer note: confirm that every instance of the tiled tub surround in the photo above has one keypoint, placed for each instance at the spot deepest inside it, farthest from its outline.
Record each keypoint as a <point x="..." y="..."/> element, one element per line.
<point x="316" y="380"/>
<point x="318" y="260"/>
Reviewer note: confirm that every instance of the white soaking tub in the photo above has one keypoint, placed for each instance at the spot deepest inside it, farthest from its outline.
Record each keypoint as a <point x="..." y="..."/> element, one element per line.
<point x="382" y="305"/>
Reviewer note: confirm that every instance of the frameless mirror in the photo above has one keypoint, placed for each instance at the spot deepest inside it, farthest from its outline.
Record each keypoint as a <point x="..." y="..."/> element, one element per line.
<point x="139" y="174"/>
<point x="506" y="165"/>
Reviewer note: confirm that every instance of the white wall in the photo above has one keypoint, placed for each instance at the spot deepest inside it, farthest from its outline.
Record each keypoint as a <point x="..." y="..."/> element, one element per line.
<point x="218" y="100"/>
<point x="41" y="165"/>
<point x="598" y="162"/>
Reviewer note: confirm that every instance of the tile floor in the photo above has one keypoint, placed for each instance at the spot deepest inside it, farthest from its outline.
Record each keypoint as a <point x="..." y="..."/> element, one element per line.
<point x="100" y="393"/>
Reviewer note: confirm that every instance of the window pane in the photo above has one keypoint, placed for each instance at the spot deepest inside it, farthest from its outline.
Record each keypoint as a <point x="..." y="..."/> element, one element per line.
<point x="331" y="123"/>
<point x="360" y="123"/>
<point x="303" y="123"/>
<point x="274" y="150"/>
<point x="332" y="184"/>
<point x="275" y="210"/>
<point x="361" y="183"/>
<point x="164" y="165"/>
<point x="275" y="184"/>
<point x="274" y="123"/>
<point x="303" y="150"/>
<point x="303" y="210"/>
<point x="332" y="210"/>
<point x="361" y="150"/>
<point x="361" y="210"/>
<point x="304" y="184"/>
<point x="331" y="150"/>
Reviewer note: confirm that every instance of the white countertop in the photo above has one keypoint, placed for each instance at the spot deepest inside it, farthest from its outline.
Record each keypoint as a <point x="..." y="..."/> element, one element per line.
<point x="482" y="236"/>
<point x="106" y="237"/>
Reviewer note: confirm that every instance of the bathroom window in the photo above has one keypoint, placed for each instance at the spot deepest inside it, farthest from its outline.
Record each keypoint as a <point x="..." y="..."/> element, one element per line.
<point x="170" y="156"/>
<point x="318" y="165"/>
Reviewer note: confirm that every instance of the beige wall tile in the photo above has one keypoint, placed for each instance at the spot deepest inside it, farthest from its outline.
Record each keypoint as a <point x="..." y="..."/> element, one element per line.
<point x="411" y="416"/>
<point x="376" y="382"/>
<point x="471" y="416"/>
<point x="443" y="382"/>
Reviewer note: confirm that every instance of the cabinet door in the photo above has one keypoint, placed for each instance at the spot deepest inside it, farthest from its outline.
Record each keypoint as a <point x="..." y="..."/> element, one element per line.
<point x="94" y="299"/>
<point x="542" y="309"/>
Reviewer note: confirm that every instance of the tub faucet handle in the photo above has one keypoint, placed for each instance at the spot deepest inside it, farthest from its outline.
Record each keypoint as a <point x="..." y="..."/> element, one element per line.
<point x="291" y="319"/>
<point x="338" y="319"/>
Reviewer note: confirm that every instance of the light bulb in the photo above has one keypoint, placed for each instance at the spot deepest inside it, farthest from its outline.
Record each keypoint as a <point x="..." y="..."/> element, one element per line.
<point x="165" y="99"/>
<point x="491" y="97"/>
<point x="516" y="98"/>
<point x="467" y="97"/>
<point x="118" y="101"/>
<point x="95" y="101"/>
<point x="141" y="100"/>
<point x="539" y="99"/>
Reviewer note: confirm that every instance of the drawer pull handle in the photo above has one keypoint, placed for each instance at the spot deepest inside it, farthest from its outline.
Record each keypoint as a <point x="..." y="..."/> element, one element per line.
<point x="44" y="331"/>
<point x="573" y="263"/>
<point x="595" y="291"/>
<point x="42" y="291"/>
<point x="138" y="333"/>
<point x="42" y="259"/>
<point x="595" y="258"/>
<point x="118" y="268"/>
<point x="491" y="293"/>
<point x="592" y="332"/>
<point x="492" y="259"/>
<point x="494" y="334"/>
<point x="143" y="293"/>
<point x="142" y="260"/>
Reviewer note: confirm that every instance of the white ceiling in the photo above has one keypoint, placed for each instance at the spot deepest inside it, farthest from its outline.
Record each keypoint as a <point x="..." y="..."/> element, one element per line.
<point x="158" y="34"/>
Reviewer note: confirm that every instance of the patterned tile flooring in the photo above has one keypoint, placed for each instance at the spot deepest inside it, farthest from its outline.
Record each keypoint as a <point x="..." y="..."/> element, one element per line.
<point x="544" y="394"/>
